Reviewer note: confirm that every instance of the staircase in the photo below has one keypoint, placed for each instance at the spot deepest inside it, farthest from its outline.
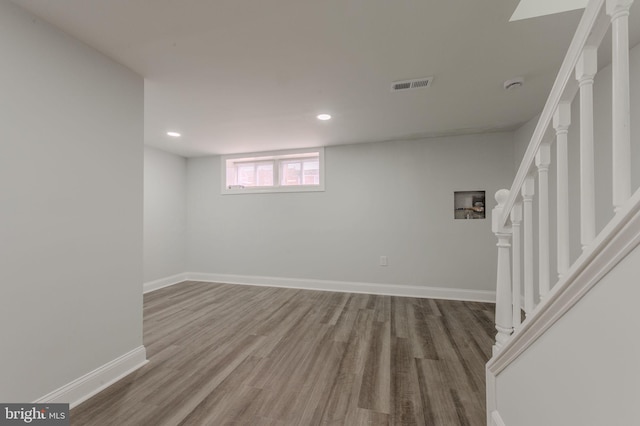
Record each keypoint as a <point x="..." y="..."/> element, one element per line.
<point x="568" y="235"/>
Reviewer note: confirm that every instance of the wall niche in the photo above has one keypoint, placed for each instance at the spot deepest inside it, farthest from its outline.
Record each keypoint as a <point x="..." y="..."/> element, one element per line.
<point x="469" y="205"/>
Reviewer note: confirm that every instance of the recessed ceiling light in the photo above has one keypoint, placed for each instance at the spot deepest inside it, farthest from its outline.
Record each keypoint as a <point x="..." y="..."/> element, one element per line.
<point x="324" y="117"/>
<point x="174" y="134"/>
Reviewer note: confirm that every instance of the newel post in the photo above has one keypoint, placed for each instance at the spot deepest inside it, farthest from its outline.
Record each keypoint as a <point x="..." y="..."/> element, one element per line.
<point x="504" y="311"/>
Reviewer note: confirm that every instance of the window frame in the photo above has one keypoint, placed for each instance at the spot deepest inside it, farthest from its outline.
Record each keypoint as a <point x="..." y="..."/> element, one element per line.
<point x="276" y="157"/>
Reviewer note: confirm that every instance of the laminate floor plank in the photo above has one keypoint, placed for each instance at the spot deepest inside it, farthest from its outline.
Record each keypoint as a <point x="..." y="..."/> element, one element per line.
<point x="405" y="389"/>
<point x="435" y="392"/>
<point x="399" y="320"/>
<point x="376" y="380"/>
<point x="469" y="356"/>
<point x="224" y="354"/>
<point x="317" y="391"/>
<point x="344" y="392"/>
<point x="346" y="319"/>
<point x="219" y="402"/>
<point x="422" y="342"/>
<point x="336" y="308"/>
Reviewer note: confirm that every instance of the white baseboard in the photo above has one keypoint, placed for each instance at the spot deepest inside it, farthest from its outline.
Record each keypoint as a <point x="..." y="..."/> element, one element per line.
<point x="97" y="380"/>
<point x="163" y="282"/>
<point x="327" y="285"/>
<point x="349" y="287"/>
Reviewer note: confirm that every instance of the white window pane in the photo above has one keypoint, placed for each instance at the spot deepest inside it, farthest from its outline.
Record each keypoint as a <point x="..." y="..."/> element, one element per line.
<point x="273" y="170"/>
<point x="311" y="174"/>
<point x="312" y="165"/>
<point x="246" y="175"/>
<point x="291" y="173"/>
<point x="265" y="175"/>
<point x="231" y="176"/>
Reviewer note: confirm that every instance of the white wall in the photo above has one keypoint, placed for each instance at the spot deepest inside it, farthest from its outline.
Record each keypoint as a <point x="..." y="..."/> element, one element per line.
<point x="70" y="208"/>
<point x="583" y="371"/>
<point x="521" y="139"/>
<point x="393" y="199"/>
<point x="165" y="214"/>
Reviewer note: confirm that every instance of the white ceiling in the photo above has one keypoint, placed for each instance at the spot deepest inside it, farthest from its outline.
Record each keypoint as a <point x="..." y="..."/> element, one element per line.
<point x="237" y="76"/>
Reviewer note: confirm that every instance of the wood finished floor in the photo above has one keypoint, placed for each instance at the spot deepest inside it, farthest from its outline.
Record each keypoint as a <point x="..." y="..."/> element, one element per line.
<point x="240" y="355"/>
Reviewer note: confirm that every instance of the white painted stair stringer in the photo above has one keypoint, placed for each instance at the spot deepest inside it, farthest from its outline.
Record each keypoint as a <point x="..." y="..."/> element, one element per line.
<point x="613" y="244"/>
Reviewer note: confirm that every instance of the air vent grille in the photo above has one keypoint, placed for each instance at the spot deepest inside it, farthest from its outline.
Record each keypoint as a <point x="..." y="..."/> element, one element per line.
<point x="401" y="86"/>
<point x="416" y="83"/>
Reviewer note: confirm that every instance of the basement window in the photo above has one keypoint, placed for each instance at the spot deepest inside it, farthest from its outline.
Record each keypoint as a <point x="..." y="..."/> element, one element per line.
<point x="298" y="170"/>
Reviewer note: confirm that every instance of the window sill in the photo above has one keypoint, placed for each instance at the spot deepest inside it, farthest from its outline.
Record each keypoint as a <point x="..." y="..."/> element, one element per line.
<point x="274" y="189"/>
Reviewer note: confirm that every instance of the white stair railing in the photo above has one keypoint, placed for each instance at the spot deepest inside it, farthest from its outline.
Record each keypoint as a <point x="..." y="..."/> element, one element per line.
<point x="513" y="218"/>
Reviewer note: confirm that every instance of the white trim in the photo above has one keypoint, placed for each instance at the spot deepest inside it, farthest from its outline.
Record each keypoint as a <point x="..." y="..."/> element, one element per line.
<point x="349" y="287"/>
<point x="275" y="156"/>
<point x="163" y="282"/>
<point x="274" y="189"/>
<point x="615" y="241"/>
<point x="492" y="397"/>
<point x="497" y="419"/>
<point x="97" y="380"/>
<point x="327" y="285"/>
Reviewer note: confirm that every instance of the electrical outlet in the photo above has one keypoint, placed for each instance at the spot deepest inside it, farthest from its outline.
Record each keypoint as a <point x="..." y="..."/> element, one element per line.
<point x="383" y="261"/>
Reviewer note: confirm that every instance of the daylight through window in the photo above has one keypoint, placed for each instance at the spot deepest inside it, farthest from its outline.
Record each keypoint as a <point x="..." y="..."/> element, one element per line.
<point x="282" y="171"/>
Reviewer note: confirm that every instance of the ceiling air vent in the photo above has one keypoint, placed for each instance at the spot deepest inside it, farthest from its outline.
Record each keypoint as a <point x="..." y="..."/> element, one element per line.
<point x="416" y="83"/>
